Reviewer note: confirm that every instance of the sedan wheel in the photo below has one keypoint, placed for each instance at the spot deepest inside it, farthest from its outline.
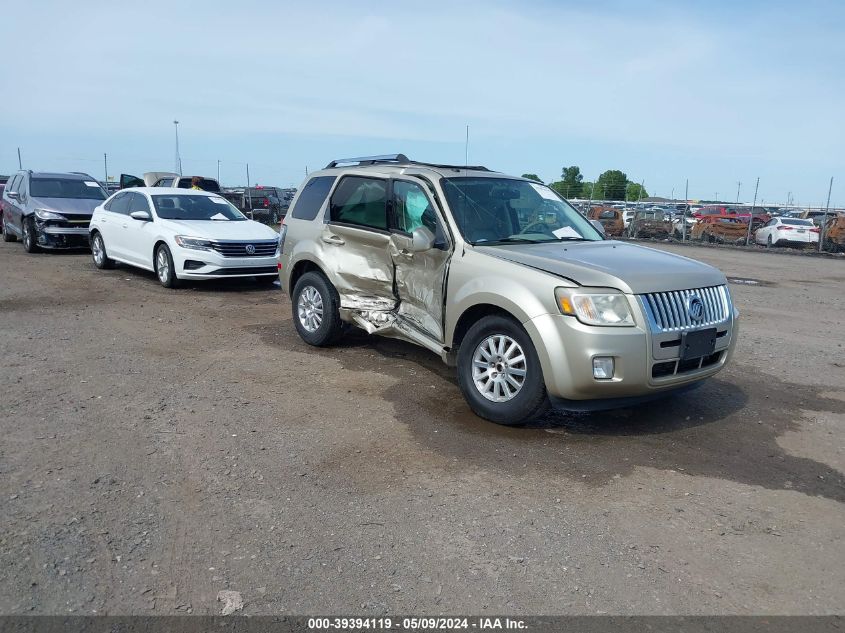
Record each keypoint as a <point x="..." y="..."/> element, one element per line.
<point x="98" y="252"/>
<point x="164" y="267"/>
<point x="29" y="244"/>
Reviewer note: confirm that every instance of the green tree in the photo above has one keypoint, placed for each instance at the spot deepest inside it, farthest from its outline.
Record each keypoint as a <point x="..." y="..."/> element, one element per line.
<point x="635" y="191"/>
<point x="532" y="177"/>
<point x="587" y="190"/>
<point x="612" y="184"/>
<point x="572" y="178"/>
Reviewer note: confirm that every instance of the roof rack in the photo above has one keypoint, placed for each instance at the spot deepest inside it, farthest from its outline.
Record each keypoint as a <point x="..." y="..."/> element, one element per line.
<point x="396" y="159"/>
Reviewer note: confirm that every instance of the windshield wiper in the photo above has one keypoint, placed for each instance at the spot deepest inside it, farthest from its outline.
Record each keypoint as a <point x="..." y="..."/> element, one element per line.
<point x="572" y="238"/>
<point x="510" y="240"/>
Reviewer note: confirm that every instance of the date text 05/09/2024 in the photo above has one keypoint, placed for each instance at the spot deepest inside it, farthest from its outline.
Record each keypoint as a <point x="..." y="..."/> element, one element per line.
<point x="416" y="624"/>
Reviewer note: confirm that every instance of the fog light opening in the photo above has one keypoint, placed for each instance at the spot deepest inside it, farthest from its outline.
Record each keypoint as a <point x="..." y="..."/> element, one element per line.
<point x="603" y="367"/>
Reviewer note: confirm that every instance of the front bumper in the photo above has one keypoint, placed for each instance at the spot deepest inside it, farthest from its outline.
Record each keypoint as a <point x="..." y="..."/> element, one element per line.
<point x="198" y="264"/>
<point x="57" y="237"/>
<point x="642" y="360"/>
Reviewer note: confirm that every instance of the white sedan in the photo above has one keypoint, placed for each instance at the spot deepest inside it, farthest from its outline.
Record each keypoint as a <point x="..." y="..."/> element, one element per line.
<point x="181" y="234"/>
<point x="783" y="231"/>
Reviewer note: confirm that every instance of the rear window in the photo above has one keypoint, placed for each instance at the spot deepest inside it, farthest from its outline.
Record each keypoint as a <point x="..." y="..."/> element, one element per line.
<point x="607" y="215"/>
<point x="312" y="197"/>
<point x="792" y="222"/>
<point x="206" y="184"/>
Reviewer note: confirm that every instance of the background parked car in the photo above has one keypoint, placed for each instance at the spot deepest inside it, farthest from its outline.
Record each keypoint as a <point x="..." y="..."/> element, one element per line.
<point x="787" y="232"/>
<point x="834" y="234"/>
<point x="168" y="179"/>
<point x="653" y="224"/>
<point x="182" y="234"/>
<point x="613" y="220"/>
<point x="49" y="210"/>
<point x="263" y="204"/>
<point x="722" y="229"/>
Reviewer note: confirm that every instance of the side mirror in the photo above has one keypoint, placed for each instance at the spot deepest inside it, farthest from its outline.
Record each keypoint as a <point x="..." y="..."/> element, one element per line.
<point x="143" y="216"/>
<point x="598" y="226"/>
<point x="422" y="239"/>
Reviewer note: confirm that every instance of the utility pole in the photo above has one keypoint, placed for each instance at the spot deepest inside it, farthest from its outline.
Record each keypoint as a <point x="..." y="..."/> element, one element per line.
<point x="106" y="168"/>
<point x="466" y="149"/>
<point x="218" y="171"/>
<point x="686" y="210"/>
<point x="20" y="164"/>
<point x="178" y="158"/>
<point x="738" y="185"/>
<point x="824" y="222"/>
<point x="248" y="195"/>
<point x="751" y="217"/>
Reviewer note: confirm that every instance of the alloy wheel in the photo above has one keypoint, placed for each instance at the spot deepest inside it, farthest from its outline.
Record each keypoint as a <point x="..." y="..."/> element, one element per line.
<point x="162" y="265"/>
<point x="98" y="249"/>
<point x="310" y="308"/>
<point x="499" y="368"/>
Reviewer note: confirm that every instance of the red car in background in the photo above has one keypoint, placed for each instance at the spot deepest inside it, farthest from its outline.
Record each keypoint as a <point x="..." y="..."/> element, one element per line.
<point x="760" y="217"/>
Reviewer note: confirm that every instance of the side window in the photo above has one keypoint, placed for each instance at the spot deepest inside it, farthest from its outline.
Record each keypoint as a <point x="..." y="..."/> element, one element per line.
<point x="312" y="198"/>
<point x="120" y="203"/>
<point x="360" y="201"/>
<point x="139" y="203"/>
<point x="412" y="208"/>
<point x="13" y="185"/>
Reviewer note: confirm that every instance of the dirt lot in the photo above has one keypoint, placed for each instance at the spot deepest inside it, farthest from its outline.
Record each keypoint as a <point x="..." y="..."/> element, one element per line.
<point x="159" y="446"/>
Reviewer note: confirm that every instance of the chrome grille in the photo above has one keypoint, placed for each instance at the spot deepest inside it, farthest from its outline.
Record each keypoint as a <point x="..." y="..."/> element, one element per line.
<point x="263" y="248"/>
<point x="667" y="311"/>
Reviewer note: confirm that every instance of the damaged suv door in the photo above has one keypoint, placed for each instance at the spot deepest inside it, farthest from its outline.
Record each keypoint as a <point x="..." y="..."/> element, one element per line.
<point x="420" y="251"/>
<point x="356" y="238"/>
<point x="386" y="250"/>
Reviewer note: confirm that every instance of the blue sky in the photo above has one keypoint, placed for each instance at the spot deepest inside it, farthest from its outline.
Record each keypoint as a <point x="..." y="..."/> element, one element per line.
<point x="717" y="92"/>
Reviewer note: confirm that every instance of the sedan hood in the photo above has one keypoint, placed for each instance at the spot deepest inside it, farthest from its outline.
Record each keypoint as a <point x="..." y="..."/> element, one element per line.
<point x="79" y="206"/>
<point x="223" y="229"/>
<point x="609" y="264"/>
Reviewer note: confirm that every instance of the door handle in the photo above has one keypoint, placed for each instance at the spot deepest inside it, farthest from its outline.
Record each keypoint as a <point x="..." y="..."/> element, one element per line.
<point x="333" y="239"/>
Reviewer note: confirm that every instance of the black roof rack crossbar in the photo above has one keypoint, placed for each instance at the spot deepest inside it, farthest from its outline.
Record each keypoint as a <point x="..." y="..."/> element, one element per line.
<point x="397" y="159"/>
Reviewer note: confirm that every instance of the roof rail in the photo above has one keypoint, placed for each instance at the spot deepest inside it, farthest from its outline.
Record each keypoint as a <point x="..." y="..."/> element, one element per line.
<point x="397" y="159"/>
<point x="400" y="159"/>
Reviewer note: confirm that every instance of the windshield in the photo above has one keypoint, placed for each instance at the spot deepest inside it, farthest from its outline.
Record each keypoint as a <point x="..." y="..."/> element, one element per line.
<point x="66" y="188"/>
<point x="505" y="210"/>
<point x="195" y="207"/>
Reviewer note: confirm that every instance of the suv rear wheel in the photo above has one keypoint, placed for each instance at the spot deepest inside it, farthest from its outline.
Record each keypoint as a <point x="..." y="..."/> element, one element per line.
<point x="7" y="236"/>
<point x="499" y="372"/>
<point x="316" y="314"/>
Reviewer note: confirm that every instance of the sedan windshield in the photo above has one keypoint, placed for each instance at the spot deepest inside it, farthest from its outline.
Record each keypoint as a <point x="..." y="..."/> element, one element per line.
<point x="66" y="188"/>
<point x="195" y="207"/>
<point x="506" y="210"/>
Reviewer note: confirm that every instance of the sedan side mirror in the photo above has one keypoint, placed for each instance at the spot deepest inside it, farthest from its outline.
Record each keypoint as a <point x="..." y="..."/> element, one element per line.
<point x="422" y="239"/>
<point x="598" y="226"/>
<point x="143" y="216"/>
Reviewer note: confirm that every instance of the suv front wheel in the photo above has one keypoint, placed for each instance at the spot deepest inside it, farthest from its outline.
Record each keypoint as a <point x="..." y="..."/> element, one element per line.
<point x="30" y="244"/>
<point x="315" y="310"/>
<point x="499" y="372"/>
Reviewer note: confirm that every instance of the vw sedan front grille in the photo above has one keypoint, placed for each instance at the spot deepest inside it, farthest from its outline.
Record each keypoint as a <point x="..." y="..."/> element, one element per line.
<point x="260" y="248"/>
<point x="686" y="309"/>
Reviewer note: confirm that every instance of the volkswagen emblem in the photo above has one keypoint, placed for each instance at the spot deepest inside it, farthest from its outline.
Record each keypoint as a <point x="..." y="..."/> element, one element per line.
<point x="695" y="308"/>
<point x="250" y="250"/>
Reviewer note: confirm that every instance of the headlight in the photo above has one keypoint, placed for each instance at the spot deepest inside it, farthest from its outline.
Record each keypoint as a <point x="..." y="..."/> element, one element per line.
<point x="196" y="243"/>
<point x="595" y="308"/>
<point x="46" y="214"/>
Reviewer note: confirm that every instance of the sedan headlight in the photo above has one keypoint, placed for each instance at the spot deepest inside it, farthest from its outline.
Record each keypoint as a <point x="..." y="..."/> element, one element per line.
<point x="46" y="214"/>
<point x="600" y="308"/>
<point x="196" y="243"/>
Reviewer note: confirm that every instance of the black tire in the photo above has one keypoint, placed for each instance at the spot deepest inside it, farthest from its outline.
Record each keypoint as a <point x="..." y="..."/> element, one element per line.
<point x="530" y="399"/>
<point x="99" y="253"/>
<point x="768" y="241"/>
<point x="30" y="243"/>
<point x="320" y="311"/>
<point x="7" y="237"/>
<point x="164" y="268"/>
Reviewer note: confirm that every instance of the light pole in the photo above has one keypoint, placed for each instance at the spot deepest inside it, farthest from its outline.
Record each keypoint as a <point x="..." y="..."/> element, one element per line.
<point x="218" y="171"/>
<point x="178" y="159"/>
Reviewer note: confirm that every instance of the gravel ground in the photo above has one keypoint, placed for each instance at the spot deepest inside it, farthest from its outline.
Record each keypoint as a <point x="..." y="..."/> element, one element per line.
<point x="161" y="446"/>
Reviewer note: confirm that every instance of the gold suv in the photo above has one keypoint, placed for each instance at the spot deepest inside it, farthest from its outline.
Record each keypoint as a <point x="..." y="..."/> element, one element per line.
<point x="503" y="279"/>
